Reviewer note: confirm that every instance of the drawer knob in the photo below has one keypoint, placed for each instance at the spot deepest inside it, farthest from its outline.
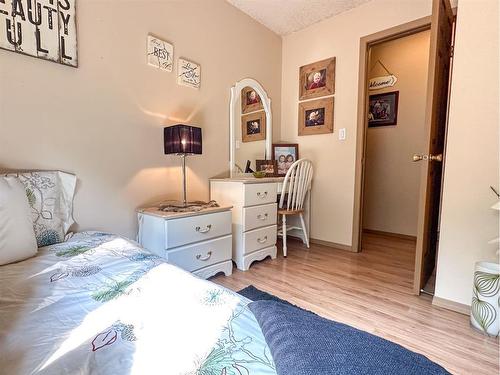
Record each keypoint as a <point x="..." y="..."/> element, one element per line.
<point x="262" y="240"/>
<point x="262" y="217"/>
<point x="262" y="195"/>
<point x="204" y="258"/>
<point x="204" y="230"/>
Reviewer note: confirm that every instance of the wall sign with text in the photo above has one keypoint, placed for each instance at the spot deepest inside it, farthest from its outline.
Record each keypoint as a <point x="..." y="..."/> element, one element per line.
<point x="40" y="28"/>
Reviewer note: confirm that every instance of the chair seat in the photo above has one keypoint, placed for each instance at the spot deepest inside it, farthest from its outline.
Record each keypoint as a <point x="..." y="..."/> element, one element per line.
<point x="283" y="211"/>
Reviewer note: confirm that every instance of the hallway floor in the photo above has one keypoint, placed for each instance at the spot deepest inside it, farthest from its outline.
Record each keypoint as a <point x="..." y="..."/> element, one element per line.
<point x="372" y="291"/>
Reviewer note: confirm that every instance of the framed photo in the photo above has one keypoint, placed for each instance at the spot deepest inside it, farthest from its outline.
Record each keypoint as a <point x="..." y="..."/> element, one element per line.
<point x="268" y="166"/>
<point x="317" y="79"/>
<point x="253" y="127"/>
<point x="383" y="109"/>
<point x="285" y="154"/>
<point x="250" y="100"/>
<point x="316" y="117"/>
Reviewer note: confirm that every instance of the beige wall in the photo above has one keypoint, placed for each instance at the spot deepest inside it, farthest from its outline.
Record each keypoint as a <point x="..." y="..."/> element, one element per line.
<point x="104" y="120"/>
<point x="333" y="185"/>
<point x="467" y="222"/>
<point x="392" y="179"/>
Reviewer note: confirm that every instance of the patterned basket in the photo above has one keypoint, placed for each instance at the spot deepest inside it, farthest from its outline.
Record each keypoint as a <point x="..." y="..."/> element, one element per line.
<point x="485" y="298"/>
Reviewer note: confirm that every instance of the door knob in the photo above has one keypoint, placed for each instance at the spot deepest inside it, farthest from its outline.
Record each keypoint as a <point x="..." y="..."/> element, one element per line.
<point x="438" y="157"/>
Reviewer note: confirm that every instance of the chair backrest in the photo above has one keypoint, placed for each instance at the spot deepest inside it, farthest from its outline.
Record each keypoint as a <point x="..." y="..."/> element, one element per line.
<point x="296" y="184"/>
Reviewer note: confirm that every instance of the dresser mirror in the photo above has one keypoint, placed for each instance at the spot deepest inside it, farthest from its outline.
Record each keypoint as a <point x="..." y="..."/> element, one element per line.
<point x="250" y="125"/>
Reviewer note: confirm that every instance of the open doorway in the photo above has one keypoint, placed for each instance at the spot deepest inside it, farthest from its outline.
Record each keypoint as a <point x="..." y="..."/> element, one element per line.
<point x="431" y="157"/>
<point x="395" y="132"/>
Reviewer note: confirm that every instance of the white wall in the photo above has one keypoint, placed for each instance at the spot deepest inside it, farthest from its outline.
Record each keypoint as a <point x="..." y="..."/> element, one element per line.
<point x="472" y="165"/>
<point x="392" y="179"/>
<point x="334" y="160"/>
<point x="104" y="120"/>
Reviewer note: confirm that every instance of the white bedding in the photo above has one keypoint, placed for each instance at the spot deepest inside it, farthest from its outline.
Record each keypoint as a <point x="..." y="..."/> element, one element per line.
<point x="100" y="304"/>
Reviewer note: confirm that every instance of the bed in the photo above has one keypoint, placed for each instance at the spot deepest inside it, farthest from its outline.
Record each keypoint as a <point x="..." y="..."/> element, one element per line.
<point x="100" y="304"/>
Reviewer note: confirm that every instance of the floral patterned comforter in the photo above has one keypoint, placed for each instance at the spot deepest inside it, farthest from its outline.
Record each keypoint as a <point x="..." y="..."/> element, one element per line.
<point x="100" y="304"/>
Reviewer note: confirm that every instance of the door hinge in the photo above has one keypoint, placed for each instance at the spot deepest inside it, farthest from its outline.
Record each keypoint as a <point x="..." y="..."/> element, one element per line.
<point x="452" y="51"/>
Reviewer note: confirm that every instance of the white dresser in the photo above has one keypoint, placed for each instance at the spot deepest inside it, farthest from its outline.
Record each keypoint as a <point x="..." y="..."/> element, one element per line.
<point x="199" y="242"/>
<point x="254" y="216"/>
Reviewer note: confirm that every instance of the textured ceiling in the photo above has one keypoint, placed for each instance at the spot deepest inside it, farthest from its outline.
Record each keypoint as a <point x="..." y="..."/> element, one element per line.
<point x="286" y="16"/>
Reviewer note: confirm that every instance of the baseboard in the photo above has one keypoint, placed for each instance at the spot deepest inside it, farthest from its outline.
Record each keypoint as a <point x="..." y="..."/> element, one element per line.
<point x="331" y="244"/>
<point x="451" y="305"/>
<point x="390" y="234"/>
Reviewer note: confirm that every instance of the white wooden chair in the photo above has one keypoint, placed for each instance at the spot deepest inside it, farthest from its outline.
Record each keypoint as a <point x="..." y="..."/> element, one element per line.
<point x="295" y="187"/>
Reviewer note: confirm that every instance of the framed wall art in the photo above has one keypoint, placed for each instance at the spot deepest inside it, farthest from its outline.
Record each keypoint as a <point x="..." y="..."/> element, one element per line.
<point x="383" y="109"/>
<point x="188" y="73"/>
<point x="285" y="154"/>
<point x="160" y="53"/>
<point x="250" y="100"/>
<point x="316" y="117"/>
<point x="253" y="127"/>
<point x="317" y="79"/>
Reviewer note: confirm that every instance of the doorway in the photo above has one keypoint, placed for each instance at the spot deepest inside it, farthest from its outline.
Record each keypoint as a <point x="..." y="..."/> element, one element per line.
<point x="432" y="155"/>
<point x="395" y="132"/>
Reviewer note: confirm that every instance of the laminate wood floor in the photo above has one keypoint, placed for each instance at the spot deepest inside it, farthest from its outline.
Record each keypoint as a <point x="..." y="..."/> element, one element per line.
<point x="372" y="291"/>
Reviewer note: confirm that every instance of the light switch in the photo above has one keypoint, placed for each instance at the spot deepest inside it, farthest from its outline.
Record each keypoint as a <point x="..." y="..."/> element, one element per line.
<point x="238" y="144"/>
<point x="342" y="134"/>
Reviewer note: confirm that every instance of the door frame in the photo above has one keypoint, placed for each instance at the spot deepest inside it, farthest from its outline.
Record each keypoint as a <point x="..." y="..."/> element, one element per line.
<point x="366" y="42"/>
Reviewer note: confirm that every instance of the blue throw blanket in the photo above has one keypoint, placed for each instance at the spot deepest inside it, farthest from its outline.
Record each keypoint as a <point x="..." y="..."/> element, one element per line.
<point x="303" y="343"/>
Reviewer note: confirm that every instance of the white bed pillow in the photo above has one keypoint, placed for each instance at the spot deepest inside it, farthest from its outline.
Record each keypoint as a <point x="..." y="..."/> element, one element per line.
<point x="50" y="195"/>
<point x="17" y="237"/>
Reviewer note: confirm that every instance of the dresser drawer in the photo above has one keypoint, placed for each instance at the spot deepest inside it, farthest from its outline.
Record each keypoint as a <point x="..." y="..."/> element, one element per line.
<point x="259" y="239"/>
<point x="183" y="231"/>
<point x="259" y="194"/>
<point x="203" y="254"/>
<point x="259" y="216"/>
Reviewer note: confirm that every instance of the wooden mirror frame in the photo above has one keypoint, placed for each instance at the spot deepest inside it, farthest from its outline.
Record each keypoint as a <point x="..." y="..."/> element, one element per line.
<point x="233" y="121"/>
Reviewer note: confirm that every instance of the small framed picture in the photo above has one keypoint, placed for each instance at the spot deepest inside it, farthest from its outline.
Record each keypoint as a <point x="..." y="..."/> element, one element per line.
<point x="383" y="109"/>
<point x="253" y="127"/>
<point x="285" y="154"/>
<point x="250" y="100"/>
<point x="188" y="73"/>
<point x="317" y="79"/>
<point x="160" y="53"/>
<point x="316" y="117"/>
<point x="268" y="166"/>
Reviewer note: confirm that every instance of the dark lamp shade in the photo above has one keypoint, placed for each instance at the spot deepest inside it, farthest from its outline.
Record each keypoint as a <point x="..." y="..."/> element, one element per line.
<point x="182" y="139"/>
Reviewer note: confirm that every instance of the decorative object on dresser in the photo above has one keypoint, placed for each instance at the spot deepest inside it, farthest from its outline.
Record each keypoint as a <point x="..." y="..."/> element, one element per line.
<point x="270" y="167"/>
<point x="295" y="187"/>
<point x="254" y="216"/>
<point x="250" y="100"/>
<point x="316" y="117"/>
<point x="317" y="79"/>
<point x="253" y="127"/>
<point x="285" y="155"/>
<point x="183" y="140"/>
<point x="199" y="242"/>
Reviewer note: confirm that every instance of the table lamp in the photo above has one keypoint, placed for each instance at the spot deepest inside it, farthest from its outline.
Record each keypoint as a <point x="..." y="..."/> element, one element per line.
<point x="182" y="140"/>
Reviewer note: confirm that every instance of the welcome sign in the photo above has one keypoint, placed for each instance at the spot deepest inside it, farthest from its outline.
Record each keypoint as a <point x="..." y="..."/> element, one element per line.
<point x="381" y="82"/>
<point x="40" y="28"/>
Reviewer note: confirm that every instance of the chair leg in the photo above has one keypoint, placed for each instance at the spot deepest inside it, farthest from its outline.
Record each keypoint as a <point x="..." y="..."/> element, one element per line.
<point x="304" y="229"/>
<point x="284" y="235"/>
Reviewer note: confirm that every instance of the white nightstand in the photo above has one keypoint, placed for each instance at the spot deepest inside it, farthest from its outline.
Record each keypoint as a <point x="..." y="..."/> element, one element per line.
<point x="199" y="242"/>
